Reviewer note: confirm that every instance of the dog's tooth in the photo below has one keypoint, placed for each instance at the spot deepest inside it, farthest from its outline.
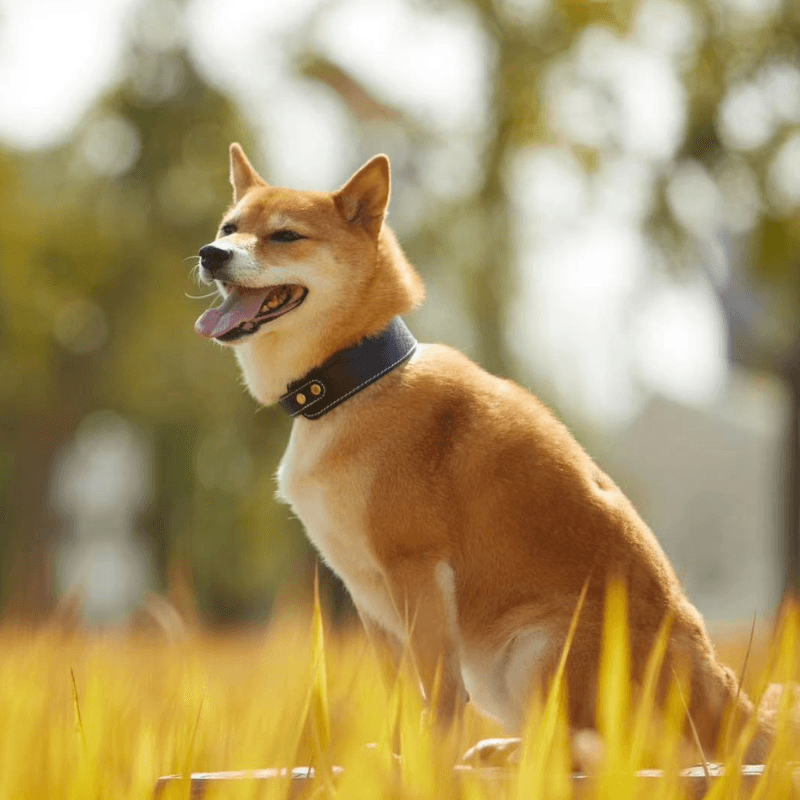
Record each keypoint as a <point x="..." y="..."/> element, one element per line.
<point x="274" y="302"/>
<point x="247" y="326"/>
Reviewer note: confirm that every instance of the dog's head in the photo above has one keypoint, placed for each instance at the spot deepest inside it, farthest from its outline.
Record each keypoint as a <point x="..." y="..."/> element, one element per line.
<point x="286" y="260"/>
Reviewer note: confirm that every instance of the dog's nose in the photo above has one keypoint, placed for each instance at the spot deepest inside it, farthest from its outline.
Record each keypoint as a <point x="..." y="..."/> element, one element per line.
<point x="213" y="257"/>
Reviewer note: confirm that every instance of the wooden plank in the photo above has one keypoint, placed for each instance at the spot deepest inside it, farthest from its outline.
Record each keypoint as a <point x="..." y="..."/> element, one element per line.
<point x="301" y="777"/>
<point x="693" y="780"/>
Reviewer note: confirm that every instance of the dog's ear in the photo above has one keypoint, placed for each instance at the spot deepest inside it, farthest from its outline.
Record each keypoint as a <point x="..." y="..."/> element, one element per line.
<point x="243" y="176"/>
<point x="364" y="198"/>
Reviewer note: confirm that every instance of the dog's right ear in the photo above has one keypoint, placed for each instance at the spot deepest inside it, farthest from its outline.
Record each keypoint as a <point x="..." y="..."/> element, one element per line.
<point x="243" y="176"/>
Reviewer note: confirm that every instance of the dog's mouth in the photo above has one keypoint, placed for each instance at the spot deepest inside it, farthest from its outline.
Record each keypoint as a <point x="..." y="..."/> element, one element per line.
<point x="245" y="310"/>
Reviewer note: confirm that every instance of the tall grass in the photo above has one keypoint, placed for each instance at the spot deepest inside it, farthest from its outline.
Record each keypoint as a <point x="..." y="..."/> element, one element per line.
<point x="103" y="715"/>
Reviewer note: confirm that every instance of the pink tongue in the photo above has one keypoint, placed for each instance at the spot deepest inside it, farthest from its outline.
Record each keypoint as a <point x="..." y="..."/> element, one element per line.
<point x="239" y="306"/>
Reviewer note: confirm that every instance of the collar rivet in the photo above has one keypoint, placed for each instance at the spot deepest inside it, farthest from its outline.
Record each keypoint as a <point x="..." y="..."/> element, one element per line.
<point x="301" y="398"/>
<point x="315" y="388"/>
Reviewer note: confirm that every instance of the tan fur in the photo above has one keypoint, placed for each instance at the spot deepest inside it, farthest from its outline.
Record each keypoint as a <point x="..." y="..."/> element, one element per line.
<point x="458" y="510"/>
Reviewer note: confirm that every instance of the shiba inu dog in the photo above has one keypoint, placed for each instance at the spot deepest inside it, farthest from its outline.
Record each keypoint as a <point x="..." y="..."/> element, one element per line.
<point x="462" y="516"/>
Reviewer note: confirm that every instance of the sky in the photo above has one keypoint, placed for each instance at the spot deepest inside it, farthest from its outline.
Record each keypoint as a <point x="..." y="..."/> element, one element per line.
<point x="594" y="315"/>
<point x="50" y="78"/>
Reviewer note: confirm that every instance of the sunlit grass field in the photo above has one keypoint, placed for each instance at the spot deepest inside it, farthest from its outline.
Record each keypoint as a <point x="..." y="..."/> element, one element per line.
<point x="103" y="715"/>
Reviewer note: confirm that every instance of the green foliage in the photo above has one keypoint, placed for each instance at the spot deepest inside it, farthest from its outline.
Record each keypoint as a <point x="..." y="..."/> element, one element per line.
<point x="95" y="313"/>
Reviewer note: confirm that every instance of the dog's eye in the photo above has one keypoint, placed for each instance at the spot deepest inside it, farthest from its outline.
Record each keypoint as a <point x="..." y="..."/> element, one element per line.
<point x="227" y="229"/>
<point x="285" y="236"/>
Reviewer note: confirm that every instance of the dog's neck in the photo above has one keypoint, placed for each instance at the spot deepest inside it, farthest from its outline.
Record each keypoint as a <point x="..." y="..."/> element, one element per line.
<point x="271" y="362"/>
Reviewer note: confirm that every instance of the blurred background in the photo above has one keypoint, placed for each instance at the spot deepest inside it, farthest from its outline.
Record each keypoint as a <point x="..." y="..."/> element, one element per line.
<point x="603" y="197"/>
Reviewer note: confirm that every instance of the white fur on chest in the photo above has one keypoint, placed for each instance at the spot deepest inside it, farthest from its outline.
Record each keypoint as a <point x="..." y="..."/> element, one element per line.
<point x="332" y="505"/>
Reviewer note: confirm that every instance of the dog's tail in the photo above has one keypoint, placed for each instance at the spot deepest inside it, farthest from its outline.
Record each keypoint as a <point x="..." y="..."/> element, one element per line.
<point x="720" y="711"/>
<point x="778" y="717"/>
<point x="720" y="707"/>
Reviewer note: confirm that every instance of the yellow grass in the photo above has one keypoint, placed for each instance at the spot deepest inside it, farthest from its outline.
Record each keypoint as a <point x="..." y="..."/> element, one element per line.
<point x="93" y="715"/>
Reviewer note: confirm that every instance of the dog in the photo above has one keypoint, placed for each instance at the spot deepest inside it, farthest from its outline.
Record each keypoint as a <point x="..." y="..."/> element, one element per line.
<point x="462" y="516"/>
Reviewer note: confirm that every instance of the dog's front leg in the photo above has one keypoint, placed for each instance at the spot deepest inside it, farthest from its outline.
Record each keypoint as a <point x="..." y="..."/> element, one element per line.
<point x="429" y="619"/>
<point x="388" y="648"/>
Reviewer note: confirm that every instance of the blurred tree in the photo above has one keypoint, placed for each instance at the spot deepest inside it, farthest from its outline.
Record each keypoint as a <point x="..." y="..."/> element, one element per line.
<point x="743" y="130"/>
<point x="98" y="238"/>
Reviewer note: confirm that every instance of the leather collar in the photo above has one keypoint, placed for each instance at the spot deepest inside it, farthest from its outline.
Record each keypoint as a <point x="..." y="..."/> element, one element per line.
<point x="349" y="371"/>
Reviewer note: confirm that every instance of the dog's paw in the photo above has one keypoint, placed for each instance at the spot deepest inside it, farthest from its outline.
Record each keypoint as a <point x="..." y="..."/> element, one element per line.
<point x="587" y="751"/>
<point x="492" y="753"/>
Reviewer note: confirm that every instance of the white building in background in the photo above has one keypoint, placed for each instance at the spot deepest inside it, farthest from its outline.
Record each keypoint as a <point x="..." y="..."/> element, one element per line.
<point x="708" y="482"/>
<point x="100" y="485"/>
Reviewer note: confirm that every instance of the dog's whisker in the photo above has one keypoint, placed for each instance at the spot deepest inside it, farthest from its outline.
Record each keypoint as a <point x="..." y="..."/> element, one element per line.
<point x="199" y="296"/>
<point x="195" y="273"/>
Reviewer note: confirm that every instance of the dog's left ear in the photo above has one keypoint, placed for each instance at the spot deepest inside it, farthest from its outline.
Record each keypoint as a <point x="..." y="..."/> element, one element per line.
<point x="364" y="198"/>
<point x="243" y="176"/>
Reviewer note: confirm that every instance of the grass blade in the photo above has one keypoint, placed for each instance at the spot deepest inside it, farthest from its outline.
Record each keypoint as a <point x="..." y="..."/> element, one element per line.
<point x="613" y="689"/>
<point x="545" y="749"/>
<point x="186" y="772"/>
<point x="646" y="708"/>
<point x="320" y="706"/>
<point x="76" y="707"/>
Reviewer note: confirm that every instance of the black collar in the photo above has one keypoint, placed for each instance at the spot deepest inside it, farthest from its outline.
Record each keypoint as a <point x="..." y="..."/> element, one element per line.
<point x="349" y="371"/>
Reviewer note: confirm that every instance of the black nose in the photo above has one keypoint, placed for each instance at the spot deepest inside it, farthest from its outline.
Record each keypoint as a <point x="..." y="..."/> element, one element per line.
<point x="213" y="257"/>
